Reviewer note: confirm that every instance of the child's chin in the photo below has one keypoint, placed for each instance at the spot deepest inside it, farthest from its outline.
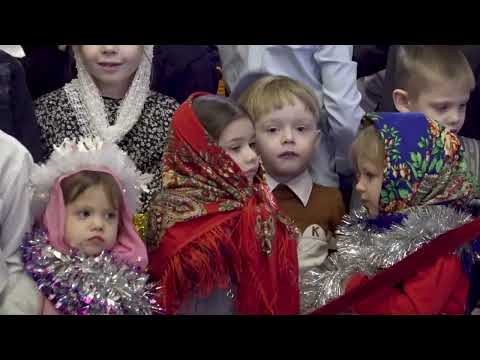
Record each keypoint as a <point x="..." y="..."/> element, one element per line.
<point x="372" y="213"/>
<point x="92" y="252"/>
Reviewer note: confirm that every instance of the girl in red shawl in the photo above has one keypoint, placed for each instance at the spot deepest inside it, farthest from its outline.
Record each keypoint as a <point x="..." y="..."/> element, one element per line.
<point x="217" y="242"/>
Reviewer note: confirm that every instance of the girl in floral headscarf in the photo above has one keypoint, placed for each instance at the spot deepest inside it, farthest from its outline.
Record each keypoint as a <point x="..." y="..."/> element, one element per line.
<point x="414" y="185"/>
<point x="217" y="243"/>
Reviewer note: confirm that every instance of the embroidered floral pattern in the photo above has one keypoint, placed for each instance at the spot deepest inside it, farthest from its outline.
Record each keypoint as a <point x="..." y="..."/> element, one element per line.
<point x="424" y="162"/>
<point x="199" y="178"/>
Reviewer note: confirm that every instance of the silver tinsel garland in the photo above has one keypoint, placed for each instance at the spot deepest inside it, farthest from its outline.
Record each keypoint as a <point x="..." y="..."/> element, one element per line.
<point x="79" y="284"/>
<point x="362" y="249"/>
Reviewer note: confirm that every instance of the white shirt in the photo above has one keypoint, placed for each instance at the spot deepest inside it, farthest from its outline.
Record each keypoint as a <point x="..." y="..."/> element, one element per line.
<point x="329" y="71"/>
<point x="17" y="291"/>
<point x="301" y="186"/>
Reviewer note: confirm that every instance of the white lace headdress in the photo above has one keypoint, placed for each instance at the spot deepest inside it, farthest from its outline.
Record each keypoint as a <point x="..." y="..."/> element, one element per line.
<point x="88" y="154"/>
<point x="88" y="104"/>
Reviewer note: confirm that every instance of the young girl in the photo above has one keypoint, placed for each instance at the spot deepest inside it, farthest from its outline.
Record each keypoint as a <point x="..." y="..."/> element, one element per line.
<point x="110" y="99"/>
<point x="84" y="253"/>
<point x="413" y="183"/>
<point x="217" y="242"/>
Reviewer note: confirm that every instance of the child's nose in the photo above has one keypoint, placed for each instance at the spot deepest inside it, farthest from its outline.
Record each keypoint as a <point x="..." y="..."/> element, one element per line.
<point x="454" y="118"/>
<point x="109" y="49"/>
<point x="359" y="186"/>
<point x="251" y="155"/>
<point x="98" y="223"/>
<point x="287" y="136"/>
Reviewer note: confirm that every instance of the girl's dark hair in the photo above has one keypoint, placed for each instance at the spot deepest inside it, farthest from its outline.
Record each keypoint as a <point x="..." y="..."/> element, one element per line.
<point x="75" y="185"/>
<point x="216" y="113"/>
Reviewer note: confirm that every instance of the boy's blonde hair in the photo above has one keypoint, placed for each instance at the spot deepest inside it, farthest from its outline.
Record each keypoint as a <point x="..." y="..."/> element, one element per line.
<point x="416" y="65"/>
<point x="369" y="146"/>
<point x="271" y="93"/>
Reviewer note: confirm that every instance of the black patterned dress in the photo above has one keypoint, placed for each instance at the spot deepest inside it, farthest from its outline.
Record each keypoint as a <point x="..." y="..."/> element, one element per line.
<point x="144" y="143"/>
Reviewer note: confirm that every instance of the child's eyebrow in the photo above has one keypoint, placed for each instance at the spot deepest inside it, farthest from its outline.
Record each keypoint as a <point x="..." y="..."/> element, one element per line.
<point x="236" y="139"/>
<point x="440" y="101"/>
<point x="274" y="121"/>
<point x="270" y="121"/>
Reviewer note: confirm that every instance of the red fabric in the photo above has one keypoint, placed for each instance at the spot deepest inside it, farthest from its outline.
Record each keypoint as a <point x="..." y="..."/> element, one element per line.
<point x="408" y="268"/>
<point x="438" y="289"/>
<point x="210" y="226"/>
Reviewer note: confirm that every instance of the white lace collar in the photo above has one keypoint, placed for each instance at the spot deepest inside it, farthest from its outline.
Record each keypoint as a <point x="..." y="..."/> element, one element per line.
<point x="89" y="106"/>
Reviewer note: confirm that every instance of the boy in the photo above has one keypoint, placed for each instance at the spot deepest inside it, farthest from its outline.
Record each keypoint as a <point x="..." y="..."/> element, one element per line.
<point x="436" y="80"/>
<point x="285" y="114"/>
<point x="18" y="294"/>
<point x="331" y="74"/>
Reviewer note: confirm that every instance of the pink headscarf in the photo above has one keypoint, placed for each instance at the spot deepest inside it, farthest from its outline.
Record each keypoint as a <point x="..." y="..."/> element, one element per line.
<point x="129" y="247"/>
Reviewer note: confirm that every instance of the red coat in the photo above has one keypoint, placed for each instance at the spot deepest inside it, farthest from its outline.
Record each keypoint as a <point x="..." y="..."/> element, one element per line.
<point x="437" y="289"/>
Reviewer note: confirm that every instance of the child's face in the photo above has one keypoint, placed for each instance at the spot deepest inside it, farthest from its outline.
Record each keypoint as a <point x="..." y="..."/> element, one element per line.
<point x="111" y="65"/>
<point x="286" y="140"/>
<point x="238" y="141"/>
<point x="444" y="101"/>
<point x="369" y="184"/>
<point x="91" y="223"/>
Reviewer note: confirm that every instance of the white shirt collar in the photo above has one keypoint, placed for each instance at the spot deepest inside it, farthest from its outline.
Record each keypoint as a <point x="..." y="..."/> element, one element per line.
<point x="301" y="186"/>
<point x="13" y="50"/>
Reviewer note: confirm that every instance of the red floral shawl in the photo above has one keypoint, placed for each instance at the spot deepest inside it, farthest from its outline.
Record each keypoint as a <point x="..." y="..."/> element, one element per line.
<point x="209" y="227"/>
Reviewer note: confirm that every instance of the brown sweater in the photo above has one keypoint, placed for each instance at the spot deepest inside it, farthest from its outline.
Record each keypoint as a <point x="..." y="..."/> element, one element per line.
<point x="322" y="214"/>
<point x="325" y="207"/>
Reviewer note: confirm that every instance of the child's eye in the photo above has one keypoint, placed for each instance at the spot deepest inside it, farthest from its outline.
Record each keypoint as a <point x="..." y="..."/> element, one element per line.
<point x="111" y="215"/>
<point x="252" y="145"/>
<point x="235" y="148"/>
<point x="442" y="107"/>
<point x="84" y="214"/>
<point x="272" y="130"/>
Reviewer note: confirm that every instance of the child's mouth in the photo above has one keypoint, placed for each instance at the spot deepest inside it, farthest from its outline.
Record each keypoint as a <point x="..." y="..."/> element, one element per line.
<point x="109" y="66"/>
<point x="287" y="155"/>
<point x="96" y="239"/>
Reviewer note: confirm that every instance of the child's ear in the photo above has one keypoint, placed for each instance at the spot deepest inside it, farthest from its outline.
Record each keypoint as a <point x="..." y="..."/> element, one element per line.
<point x="401" y="101"/>
<point x="317" y="137"/>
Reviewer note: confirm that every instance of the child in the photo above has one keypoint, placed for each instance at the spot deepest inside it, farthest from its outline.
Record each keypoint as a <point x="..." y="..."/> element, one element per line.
<point x="285" y="114"/>
<point x="84" y="253"/>
<point x="329" y="71"/>
<point x="18" y="294"/>
<point x="110" y="99"/>
<point x="435" y="80"/>
<point x="217" y="242"/>
<point x="411" y="174"/>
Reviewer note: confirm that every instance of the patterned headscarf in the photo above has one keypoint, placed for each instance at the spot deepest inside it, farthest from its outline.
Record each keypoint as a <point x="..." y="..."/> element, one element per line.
<point x="425" y="163"/>
<point x="209" y="225"/>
